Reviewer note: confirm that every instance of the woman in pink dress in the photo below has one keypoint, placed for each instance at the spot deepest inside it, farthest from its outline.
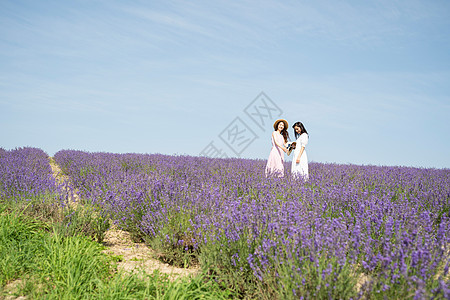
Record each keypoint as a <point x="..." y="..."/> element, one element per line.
<point x="275" y="163"/>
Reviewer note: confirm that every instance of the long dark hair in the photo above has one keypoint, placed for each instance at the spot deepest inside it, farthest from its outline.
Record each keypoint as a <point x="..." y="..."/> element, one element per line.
<point x="302" y="128"/>
<point x="283" y="132"/>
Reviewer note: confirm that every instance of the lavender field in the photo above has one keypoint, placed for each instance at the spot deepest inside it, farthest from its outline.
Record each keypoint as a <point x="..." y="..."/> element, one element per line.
<point x="351" y="231"/>
<point x="25" y="173"/>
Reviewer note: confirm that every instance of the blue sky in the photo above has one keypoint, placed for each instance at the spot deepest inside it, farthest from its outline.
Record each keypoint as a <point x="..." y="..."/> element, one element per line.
<point x="369" y="79"/>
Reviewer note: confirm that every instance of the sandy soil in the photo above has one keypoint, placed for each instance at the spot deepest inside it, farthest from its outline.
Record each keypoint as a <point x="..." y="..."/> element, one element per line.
<point x="64" y="179"/>
<point x="138" y="255"/>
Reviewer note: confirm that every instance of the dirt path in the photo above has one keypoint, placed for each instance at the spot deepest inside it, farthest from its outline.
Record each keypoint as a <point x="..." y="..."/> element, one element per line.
<point x="133" y="256"/>
<point x="138" y="255"/>
<point x="60" y="178"/>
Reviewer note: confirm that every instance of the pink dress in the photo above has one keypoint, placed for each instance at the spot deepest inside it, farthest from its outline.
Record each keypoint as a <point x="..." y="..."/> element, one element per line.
<point x="275" y="163"/>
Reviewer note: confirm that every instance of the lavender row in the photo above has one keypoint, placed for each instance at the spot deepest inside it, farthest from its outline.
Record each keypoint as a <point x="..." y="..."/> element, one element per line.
<point x="387" y="227"/>
<point x="25" y="173"/>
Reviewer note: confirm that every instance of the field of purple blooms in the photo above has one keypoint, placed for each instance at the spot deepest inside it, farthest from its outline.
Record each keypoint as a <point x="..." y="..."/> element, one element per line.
<point x="349" y="232"/>
<point x="25" y="173"/>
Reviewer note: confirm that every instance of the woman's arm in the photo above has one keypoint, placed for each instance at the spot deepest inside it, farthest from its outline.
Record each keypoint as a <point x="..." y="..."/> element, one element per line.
<point x="278" y="145"/>
<point x="303" y="143"/>
<point x="300" y="154"/>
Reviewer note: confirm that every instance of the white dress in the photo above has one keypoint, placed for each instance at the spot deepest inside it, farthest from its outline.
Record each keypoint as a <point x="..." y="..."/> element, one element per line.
<point x="300" y="169"/>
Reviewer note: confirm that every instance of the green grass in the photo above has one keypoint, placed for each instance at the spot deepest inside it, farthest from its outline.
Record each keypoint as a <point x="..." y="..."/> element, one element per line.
<point x="48" y="260"/>
<point x="19" y="239"/>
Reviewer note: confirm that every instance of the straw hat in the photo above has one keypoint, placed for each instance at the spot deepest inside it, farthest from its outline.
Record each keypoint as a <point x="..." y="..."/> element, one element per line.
<point x="278" y="121"/>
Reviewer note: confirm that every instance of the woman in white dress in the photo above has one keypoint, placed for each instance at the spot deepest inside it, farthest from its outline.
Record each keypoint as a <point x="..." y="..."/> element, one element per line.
<point x="300" y="159"/>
